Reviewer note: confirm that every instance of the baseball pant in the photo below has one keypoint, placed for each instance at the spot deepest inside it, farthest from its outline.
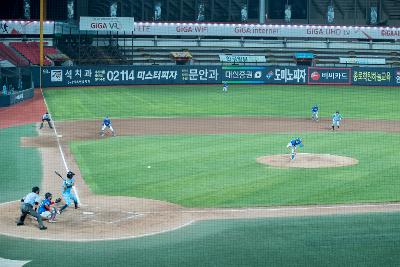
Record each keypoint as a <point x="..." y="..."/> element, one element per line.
<point x="104" y="127"/>
<point x="28" y="209"/>
<point x="48" y="121"/>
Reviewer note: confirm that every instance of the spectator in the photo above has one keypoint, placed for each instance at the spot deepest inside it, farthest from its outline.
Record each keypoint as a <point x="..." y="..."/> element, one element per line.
<point x="4" y="89"/>
<point x="11" y="91"/>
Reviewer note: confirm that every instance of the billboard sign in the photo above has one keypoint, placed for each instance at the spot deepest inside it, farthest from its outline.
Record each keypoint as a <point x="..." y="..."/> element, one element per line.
<point x="115" y="24"/>
<point x="141" y="75"/>
<point x="266" y="30"/>
<point x="242" y="59"/>
<point x="329" y="75"/>
<point x="129" y="75"/>
<point x="286" y="75"/>
<point x="25" y="27"/>
<point x="362" y="61"/>
<point x="374" y="76"/>
<point x="243" y="74"/>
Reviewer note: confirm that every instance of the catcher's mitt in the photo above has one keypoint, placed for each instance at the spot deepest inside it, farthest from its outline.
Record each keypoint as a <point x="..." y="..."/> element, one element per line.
<point x="58" y="200"/>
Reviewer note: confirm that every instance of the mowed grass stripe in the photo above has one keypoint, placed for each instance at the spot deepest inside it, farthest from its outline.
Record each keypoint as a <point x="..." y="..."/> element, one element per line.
<point x="221" y="170"/>
<point x="20" y="166"/>
<point x="241" y="100"/>
<point x="349" y="240"/>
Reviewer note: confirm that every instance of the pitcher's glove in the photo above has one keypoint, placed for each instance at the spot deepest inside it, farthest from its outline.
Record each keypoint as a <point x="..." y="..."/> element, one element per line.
<point x="58" y="200"/>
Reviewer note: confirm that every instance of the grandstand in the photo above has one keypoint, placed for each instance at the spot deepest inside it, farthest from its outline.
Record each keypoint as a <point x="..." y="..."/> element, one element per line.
<point x="72" y="46"/>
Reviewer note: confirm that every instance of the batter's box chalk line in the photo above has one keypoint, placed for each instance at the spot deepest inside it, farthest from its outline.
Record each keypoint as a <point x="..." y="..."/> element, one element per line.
<point x="135" y="215"/>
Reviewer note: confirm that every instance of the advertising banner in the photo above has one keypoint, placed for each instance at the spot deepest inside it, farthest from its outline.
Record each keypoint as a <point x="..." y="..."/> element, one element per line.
<point x="264" y="74"/>
<point x="16" y="97"/>
<point x="141" y="75"/>
<point x="286" y="75"/>
<point x="119" y="24"/>
<point x="129" y="75"/>
<point x="329" y="75"/>
<point x="264" y="30"/>
<point x="396" y="73"/>
<point x="244" y="74"/>
<point x="242" y="59"/>
<point x="25" y="27"/>
<point x="362" y="61"/>
<point x="374" y="76"/>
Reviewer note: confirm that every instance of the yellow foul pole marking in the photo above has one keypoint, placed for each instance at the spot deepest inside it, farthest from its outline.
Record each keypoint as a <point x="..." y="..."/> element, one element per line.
<point x="41" y="31"/>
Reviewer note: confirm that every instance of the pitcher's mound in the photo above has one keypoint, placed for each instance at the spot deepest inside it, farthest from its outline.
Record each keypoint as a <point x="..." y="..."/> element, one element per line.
<point x="306" y="160"/>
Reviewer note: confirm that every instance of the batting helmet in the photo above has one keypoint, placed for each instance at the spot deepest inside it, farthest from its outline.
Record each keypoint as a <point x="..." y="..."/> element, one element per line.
<point x="70" y="174"/>
<point x="48" y="195"/>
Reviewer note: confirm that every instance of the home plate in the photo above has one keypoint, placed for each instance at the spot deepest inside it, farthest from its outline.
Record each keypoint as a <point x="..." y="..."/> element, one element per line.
<point x="59" y="136"/>
<point x="87" y="213"/>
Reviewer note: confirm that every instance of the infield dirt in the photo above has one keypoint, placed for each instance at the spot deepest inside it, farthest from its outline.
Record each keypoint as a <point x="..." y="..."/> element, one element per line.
<point x="104" y="217"/>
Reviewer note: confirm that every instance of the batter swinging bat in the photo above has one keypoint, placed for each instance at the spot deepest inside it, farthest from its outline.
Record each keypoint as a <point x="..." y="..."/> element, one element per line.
<point x="56" y="172"/>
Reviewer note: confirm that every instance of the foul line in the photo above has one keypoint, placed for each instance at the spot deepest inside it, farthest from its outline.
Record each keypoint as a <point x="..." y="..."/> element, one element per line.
<point x="59" y="145"/>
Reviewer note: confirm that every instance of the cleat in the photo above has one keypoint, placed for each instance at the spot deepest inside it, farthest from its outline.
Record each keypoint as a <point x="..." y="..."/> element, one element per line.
<point x="20" y="223"/>
<point x="52" y="221"/>
<point x="43" y="227"/>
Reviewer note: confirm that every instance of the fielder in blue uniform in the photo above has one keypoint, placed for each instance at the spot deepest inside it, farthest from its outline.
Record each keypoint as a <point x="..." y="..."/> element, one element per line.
<point x="225" y="88"/>
<point x="293" y="144"/>
<point x="46" y="210"/>
<point x="336" y="118"/>
<point x="66" y="191"/>
<point x="107" y="124"/>
<point x="314" y="112"/>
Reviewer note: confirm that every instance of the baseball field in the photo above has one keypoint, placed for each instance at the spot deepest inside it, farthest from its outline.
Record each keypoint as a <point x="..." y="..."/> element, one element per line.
<point x="183" y="184"/>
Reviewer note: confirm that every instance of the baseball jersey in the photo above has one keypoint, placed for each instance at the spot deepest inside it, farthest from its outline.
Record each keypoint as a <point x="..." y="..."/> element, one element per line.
<point x="225" y="85"/>
<point x="46" y="116"/>
<point x="67" y="185"/>
<point x="295" y="142"/>
<point x="43" y="204"/>
<point x="314" y="109"/>
<point x="336" y="117"/>
<point x="31" y="198"/>
<point x="106" y="122"/>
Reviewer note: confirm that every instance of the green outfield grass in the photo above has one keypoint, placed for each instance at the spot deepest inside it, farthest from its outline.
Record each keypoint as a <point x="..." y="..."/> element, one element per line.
<point x="241" y="100"/>
<point x="20" y="167"/>
<point x="361" y="240"/>
<point x="221" y="170"/>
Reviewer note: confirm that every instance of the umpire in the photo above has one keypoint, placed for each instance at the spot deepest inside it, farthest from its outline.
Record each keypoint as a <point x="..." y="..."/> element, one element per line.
<point x="28" y="202"/>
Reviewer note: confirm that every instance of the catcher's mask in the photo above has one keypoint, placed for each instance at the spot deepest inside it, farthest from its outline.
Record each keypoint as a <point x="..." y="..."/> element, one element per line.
<point x="48" y="195"/>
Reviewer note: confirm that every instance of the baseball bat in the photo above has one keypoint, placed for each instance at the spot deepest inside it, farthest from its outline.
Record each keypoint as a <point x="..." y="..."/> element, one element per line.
<point x="56" y="172"/>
